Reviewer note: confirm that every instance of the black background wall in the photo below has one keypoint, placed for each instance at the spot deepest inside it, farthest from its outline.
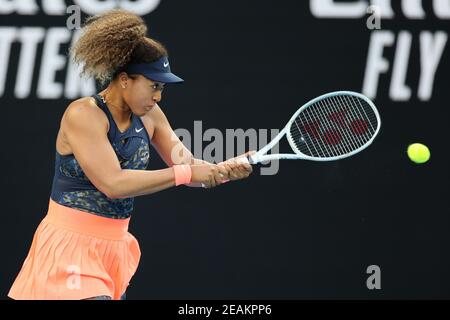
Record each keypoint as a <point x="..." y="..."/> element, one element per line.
<point x="309" y="231"/>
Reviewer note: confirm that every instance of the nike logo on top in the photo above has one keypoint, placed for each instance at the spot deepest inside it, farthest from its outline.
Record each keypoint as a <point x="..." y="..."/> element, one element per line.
<point x="166" y="64"/>
<point x="139" y="129"/>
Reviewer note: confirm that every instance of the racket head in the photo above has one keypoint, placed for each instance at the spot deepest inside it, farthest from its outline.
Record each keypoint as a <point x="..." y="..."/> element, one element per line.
<point x="333" y="126"/>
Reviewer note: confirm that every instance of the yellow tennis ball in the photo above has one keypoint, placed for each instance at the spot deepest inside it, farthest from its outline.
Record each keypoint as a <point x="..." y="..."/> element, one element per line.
<point x="418" y="153"/>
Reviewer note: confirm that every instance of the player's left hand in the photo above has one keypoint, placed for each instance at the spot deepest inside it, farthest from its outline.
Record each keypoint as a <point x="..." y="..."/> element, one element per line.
<point x="238" y="169"/>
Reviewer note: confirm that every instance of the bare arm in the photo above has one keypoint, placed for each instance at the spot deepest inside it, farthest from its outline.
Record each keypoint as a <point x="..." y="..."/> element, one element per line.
<point x="86" y="129"/>
<point x="173" y="151"/>
<point x="166" y="142"/>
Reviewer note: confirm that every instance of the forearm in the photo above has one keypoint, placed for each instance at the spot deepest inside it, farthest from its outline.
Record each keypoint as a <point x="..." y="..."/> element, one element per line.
<point x="177" y="153"/>
<point x="131" y="183"/>
<point x="188" y="158"/>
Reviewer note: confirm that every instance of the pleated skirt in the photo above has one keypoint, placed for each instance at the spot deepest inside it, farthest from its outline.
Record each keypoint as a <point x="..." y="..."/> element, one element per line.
<point x="77" y="255"/>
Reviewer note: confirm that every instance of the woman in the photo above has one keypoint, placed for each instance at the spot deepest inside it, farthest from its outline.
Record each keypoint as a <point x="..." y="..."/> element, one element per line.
<point x="82" y="248"/>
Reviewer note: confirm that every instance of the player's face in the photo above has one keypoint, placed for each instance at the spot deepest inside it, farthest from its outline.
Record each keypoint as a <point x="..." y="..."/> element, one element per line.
<point x="142" y="94"/>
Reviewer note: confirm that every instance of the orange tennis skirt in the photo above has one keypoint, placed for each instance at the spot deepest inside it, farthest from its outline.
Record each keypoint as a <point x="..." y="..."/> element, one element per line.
<point x="77" y="255"/>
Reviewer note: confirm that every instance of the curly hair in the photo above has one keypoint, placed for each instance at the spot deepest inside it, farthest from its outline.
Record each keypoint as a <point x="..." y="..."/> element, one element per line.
<point x="111" y="40"/>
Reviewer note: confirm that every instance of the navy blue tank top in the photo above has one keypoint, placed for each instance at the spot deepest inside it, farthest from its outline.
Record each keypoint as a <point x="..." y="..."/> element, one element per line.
<point x="73" y="189"/>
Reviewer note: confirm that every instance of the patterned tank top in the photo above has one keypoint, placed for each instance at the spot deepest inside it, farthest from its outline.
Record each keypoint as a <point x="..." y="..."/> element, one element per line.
<point x="73" y="189"/>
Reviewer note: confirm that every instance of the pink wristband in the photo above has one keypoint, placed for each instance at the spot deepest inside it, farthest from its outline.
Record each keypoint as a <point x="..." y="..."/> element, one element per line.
<point x="183" y="174"/>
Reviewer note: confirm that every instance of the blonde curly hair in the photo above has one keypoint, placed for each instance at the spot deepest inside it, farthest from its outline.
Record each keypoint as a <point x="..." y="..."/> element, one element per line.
<point x="111" y="40"/>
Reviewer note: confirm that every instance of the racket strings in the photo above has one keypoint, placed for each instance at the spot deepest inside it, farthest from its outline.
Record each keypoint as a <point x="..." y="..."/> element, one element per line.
<point x="334" y="126"/>
<point x="333" y="121"/>
<point x="333" y="134"/>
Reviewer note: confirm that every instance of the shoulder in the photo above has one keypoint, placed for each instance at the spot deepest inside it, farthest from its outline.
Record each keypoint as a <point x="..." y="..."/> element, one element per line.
<point x="83" y="107"/>
<point x="85" y="112"/>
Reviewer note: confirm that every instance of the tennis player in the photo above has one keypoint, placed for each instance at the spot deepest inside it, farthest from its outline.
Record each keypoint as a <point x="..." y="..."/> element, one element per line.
<point x="82" y="248"/>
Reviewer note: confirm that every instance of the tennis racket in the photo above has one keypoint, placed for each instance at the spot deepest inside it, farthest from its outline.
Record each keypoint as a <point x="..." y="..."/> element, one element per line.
<point x="331" y="127"/>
